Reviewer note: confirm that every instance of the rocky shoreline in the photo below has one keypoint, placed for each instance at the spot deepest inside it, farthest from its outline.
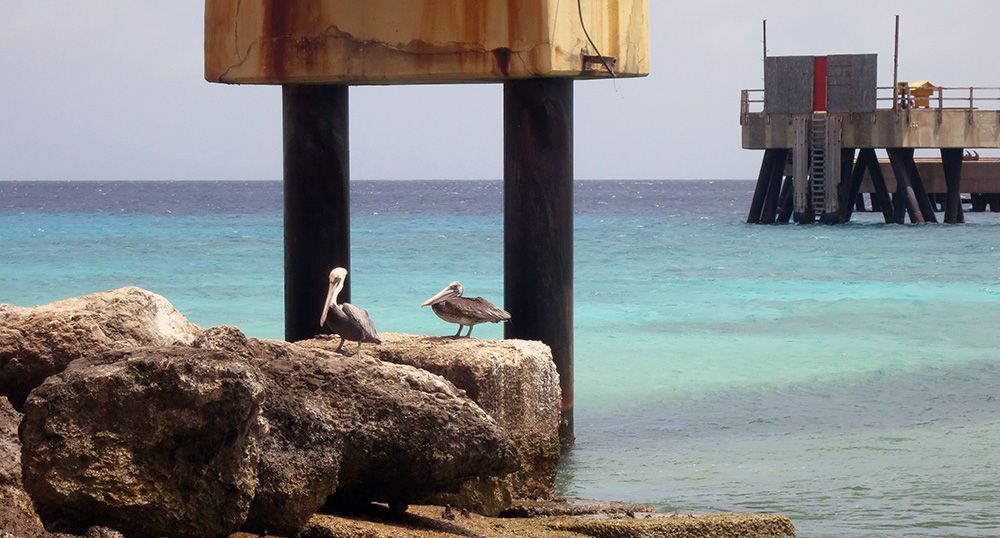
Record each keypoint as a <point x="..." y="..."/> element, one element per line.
<point x="137" y="420"/>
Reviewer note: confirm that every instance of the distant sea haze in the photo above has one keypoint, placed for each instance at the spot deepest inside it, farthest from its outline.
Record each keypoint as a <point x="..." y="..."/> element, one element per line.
<point x="847" y="376"/>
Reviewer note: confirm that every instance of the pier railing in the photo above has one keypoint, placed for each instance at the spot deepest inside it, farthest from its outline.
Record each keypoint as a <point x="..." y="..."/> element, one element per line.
<point x="936" y="98"/>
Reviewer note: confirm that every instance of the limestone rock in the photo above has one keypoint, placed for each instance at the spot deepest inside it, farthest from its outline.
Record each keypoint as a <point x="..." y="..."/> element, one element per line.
<point x="516" y="383"/>
<point x="17" y="515"/>
<point x="40" y="341"/>
<point x="359" y="430"/>
<point x="153" y="442"/>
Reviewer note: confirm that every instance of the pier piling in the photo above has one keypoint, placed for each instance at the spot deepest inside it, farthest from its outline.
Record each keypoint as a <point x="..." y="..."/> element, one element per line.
<point x="317" y="196"/>
<point x="951" y="159"/>
<point x="538" y="222"/>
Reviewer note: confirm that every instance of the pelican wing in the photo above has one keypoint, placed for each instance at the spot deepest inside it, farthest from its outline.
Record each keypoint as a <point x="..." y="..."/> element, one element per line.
<point x="359" y="317"/>
<point x="479" y="308"/>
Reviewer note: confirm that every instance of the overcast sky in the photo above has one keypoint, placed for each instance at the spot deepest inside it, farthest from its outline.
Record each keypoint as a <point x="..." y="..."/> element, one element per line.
<point x="113" y="89"/>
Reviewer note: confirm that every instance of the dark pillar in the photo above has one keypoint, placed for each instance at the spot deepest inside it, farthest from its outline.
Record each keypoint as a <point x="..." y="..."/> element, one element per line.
<point x="905" y="196"/>
<point x="852" y="173"/>
<point x="763" y="183"/>
<point x="881" y="194"/>
<point x="770" y="211"/>
<point x="786" y="200"/>
<point x="538" y="222"/>
<point x="923" y="199"/>
<point x="317" y="217"/>
<point x="951" y="158"/>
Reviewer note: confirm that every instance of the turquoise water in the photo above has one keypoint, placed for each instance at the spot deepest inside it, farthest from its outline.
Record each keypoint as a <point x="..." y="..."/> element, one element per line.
<point x="847" y="376"/>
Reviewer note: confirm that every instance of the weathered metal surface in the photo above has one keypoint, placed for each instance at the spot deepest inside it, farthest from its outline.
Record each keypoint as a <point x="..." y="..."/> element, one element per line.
<point x="317" y="216"/>
<point x="789" y="84"/>
<point x="538" y="222"/>
<point x="419" y="41"/>
<point x="907" y="128"/>
<point x="852" y="80"/>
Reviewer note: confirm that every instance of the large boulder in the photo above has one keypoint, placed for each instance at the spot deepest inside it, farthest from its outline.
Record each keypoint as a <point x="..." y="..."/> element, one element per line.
<point x="153" y="442"/>
<point x="38" y="342"/>
<point x="516" y="383"/>
<point x="358" y="430"/>
<point x="17" y="515"/>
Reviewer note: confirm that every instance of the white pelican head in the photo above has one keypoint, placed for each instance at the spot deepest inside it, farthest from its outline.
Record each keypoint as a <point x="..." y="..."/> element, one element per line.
<point x="453" y="290"/>
<point x="337" y="278"/>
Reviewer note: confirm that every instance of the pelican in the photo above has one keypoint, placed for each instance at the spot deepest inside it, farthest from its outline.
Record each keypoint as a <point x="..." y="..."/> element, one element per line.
<point x="450" y="306"/>
<point x="346" y="320"/>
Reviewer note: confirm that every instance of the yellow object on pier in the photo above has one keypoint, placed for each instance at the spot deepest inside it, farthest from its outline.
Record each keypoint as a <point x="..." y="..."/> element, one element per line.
<point x="422" y="41"/>
<point x="922" y="90"/>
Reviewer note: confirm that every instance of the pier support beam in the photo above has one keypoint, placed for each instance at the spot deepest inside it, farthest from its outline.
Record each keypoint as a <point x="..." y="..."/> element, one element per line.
<point x="785" y="200"/>
<point x="951" y="158"/>
<point x="777" y="171"/>
<point x="905" y="199"/>
<point x="538" y="222"/>
<point x="317" y="214"/>
<point x="800" y="171"/>
<point x="881" y="195"/>
<point x="852" y="199"/>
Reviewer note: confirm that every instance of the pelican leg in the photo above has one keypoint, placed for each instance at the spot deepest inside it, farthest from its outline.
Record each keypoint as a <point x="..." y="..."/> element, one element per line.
<point x="341" y="345"/>
<point x="358" y="352"/>
<point x="459" y="333"/>
<point x="468" y="334"/>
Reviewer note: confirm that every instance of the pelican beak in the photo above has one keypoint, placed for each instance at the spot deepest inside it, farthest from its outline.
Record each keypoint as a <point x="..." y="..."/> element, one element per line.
<point x="442" y="295"/>
<point x="326" y="305"/>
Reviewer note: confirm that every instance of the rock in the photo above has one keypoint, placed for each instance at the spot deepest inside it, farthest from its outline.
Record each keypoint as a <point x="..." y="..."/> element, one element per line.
<point x="426" y="522"/>
<point x="38" y="342"/>
<point x="679" y="525"/>
<point x="575" y="507"/>
<point x="17" y="515"/>
<point x="516" y="383"/>
<point x="358" y="430"/>
<point x="153" y="442"/>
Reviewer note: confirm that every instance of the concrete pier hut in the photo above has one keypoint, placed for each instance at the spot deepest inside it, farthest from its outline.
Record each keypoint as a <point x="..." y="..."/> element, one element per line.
<point x="317" y="49"/>
<point x="820" y="120"/>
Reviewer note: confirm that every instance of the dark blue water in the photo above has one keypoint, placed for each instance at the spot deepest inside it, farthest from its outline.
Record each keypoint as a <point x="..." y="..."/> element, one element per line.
<point x="846" y="376"/>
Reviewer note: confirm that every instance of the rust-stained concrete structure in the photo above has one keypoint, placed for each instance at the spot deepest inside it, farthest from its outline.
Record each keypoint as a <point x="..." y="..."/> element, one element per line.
<point x="821" y="121"/>
<point x="316" y="49"/>
<point x="420" y="41"/>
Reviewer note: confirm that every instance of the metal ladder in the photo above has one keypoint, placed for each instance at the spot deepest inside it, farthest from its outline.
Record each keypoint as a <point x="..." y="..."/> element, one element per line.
<point x="817" y="163"/>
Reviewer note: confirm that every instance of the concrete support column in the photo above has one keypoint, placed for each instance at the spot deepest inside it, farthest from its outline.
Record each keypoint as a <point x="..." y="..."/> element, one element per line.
<point x="317" y="197"/>
<point x="538" y="222"/>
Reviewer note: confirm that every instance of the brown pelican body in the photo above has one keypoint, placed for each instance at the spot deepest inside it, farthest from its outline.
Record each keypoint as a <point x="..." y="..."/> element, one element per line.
<point x="346" y="320"/>
<point x="450" y="306"/>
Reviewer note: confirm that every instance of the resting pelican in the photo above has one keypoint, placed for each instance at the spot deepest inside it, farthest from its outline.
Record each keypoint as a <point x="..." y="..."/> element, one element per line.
<point x="450" y="306"/>
<point x="346" y="320"/>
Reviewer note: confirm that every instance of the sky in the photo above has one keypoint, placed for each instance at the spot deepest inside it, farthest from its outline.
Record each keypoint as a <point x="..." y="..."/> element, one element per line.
<point x="114" y="90"/>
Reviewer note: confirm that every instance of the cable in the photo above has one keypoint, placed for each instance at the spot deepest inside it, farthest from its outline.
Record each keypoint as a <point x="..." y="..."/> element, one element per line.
<point x="579" y="6"/>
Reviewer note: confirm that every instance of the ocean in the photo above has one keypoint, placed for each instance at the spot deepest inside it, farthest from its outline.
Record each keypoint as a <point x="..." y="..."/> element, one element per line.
<point x="847" y="376"/>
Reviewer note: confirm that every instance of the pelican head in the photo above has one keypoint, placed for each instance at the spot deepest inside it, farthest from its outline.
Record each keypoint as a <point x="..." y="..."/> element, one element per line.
<point x="337" y="278"/>
<point x="453" y="290"/>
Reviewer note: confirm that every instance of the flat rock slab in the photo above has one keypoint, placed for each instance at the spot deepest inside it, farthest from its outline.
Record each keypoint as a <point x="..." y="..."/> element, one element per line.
<point x="575" y="507"/>
<point x="678" y="525"/>
<point x="427" y="522"/>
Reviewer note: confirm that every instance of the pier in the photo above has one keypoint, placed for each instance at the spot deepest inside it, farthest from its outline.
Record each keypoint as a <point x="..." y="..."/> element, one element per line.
<point x="317" y="49"/>
<point x="820" y="121"/>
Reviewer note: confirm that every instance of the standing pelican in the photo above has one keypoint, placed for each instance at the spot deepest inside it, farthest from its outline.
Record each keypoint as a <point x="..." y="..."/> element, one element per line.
<point x="450" y="306"/>
<point x="346" y="320"/>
